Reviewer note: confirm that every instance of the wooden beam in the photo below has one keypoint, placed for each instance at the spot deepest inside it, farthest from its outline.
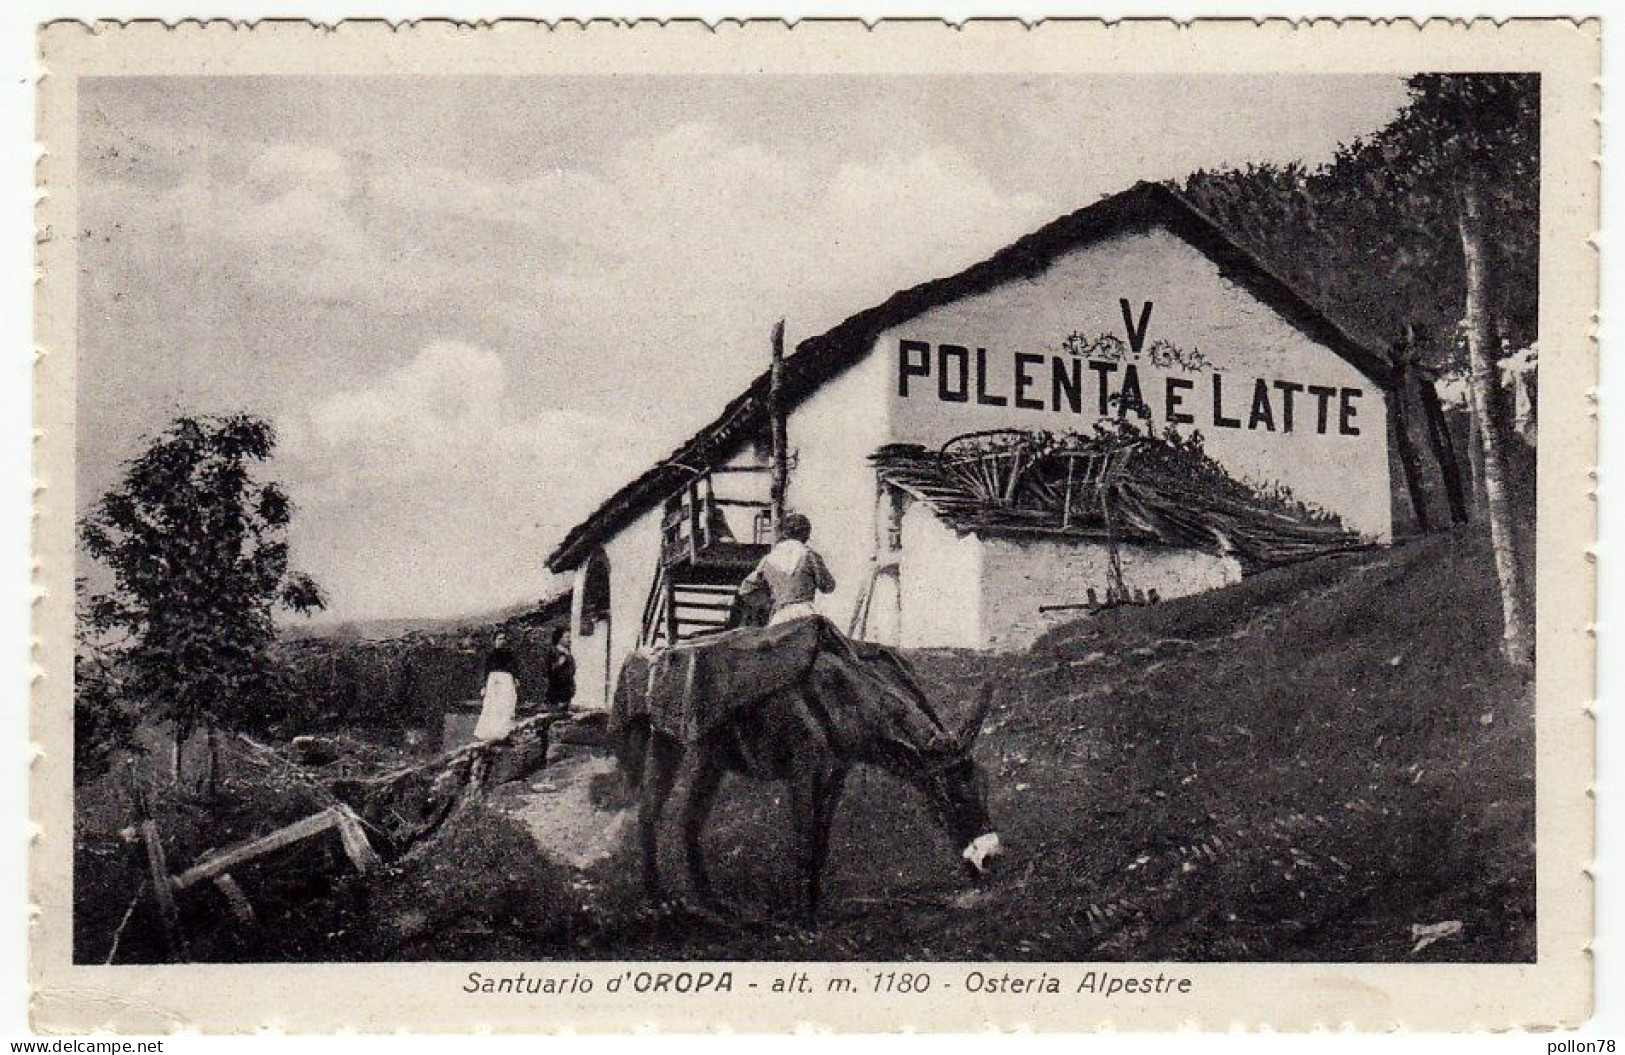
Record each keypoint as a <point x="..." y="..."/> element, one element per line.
<point x="226" y="860"/>
<point x="778" y="434"/>
<point x="708" y="605"/>
<point x="724" y="469"/>
<point x="705" y="618"/>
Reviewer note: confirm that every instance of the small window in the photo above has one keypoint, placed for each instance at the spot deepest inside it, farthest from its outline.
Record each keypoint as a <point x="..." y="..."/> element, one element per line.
<point x="594" y="593"/>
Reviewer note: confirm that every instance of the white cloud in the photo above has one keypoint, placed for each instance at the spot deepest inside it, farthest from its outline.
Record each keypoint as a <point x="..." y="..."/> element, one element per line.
<point x="437" y="488"/>
<point x="446" y="419"/>
<point x="318" y="170"/>
<point x="617" y="309"/>
<point x="681" y="241"/>
<point x="449" y="389"/>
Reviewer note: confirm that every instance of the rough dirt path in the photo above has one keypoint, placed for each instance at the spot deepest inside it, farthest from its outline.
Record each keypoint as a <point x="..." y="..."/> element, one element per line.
<point x="556" y="807"/>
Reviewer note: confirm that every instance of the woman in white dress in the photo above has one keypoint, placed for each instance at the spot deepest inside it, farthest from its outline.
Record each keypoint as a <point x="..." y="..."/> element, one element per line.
<point x="501" y="697"/>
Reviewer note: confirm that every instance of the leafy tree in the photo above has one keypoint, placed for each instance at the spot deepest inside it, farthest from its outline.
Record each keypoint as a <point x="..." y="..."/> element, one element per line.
<point x="1372" y="234"/>
<point x="103" y="720"/>
<point x="199" y="563"/>
<point x="1472" y="143"/>
<point x="1430" y="225"/>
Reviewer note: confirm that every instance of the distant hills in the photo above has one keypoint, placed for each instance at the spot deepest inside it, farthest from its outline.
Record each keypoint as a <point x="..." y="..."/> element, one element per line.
<point x="384" y="629"/>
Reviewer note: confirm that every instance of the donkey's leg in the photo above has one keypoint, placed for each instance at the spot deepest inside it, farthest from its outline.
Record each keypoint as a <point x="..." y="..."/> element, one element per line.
<point x="704" y="781"/>
<point x="828" y="798"/>
<point x="805" y="805"/>
<point x="659" y="772"/>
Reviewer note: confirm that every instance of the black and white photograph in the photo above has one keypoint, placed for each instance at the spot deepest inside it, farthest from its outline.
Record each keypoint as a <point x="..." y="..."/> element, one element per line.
<point x="1066" y="526"/>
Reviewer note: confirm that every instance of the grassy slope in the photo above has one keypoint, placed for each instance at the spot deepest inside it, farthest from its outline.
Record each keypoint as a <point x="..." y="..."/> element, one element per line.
<point x="1297" y="767"/>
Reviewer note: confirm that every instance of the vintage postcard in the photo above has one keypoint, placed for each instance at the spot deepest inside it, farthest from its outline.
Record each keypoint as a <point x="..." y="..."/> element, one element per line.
<point x="610" y="527"/>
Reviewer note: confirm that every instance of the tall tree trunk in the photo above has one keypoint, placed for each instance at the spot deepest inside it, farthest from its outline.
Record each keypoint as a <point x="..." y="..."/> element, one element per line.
<point x="177" y="749"/>
<point x="1475" y="457"/>
<point x="211" y="785"/>
<point x="1517" y="629"/>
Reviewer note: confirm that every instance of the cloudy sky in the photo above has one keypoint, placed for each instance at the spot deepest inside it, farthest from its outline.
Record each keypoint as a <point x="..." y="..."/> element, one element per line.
<point x="474" y="307"/>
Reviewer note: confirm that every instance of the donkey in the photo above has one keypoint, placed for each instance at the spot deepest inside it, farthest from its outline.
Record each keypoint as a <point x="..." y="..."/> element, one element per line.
<point x="810" y="736"/>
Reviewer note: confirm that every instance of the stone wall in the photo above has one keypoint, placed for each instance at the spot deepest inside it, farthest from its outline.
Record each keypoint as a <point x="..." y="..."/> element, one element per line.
<point x="938" y="584"/>
<point x="406" y="684"/>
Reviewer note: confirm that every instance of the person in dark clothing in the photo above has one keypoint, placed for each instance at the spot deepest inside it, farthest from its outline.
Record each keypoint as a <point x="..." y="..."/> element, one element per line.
<point x="501" y="658"/>
<point x="561" y="672"/>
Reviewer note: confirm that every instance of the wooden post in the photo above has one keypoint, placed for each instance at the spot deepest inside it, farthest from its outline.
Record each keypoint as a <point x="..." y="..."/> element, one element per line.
<point x="236" y="900"/>
<point x="1402" y="444"/>
<point x="649" y="628"/>
<point x="708" y="511"/>
<point x="1444" y="449"/>
<point x="693" y="522"/>
<point x="163" y="889"/>
<point x="775" y="410"/>
<point x="354" y="838"/>
<point x="671" y="612"/>
<point x="1066" y="501"/>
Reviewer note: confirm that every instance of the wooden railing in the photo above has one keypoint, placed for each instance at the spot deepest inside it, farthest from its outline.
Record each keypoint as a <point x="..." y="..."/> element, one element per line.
<point x="694" y="521"/>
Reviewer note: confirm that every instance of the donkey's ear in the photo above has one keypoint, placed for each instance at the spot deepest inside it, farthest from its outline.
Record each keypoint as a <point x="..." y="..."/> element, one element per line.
<point x="973" y="723"/>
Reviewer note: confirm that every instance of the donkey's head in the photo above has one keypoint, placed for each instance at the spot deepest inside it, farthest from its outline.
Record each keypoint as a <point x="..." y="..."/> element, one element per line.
<point x="956" y="789"/>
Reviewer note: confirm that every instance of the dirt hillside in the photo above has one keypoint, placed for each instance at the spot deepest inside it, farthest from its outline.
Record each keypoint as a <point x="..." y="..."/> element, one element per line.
<point x="1300" y="767"/>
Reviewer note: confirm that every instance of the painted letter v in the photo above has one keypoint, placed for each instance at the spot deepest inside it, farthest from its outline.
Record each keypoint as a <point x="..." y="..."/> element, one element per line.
<point x="1136" y="334"/>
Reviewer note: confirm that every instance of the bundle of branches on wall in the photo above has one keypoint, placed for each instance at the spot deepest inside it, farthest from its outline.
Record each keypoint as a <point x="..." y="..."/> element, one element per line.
<point x="1120" y="483"/>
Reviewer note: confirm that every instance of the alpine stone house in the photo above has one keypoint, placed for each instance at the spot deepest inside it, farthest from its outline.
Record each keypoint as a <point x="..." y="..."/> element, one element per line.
<point x="1138" y="302"/>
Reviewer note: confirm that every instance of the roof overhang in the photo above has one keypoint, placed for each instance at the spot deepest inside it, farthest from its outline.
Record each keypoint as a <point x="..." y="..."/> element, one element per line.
<point x="822" y="358"/>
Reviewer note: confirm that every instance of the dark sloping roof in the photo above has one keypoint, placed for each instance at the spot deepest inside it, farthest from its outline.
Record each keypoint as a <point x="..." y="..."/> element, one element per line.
<point x="819" y="359"/>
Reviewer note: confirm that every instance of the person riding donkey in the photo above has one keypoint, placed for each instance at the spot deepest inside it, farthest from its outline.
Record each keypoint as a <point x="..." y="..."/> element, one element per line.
<point x="801" y="704"/>
<point x="792" y="574"/>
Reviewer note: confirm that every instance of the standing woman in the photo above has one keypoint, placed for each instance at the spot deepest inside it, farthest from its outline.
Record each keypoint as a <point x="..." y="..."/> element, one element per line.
<point x="501" y="699"/>
<point x="561" y="672"/>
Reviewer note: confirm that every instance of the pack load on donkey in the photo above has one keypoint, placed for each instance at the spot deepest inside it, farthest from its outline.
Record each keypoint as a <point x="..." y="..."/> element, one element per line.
<point x="798" y="702"/>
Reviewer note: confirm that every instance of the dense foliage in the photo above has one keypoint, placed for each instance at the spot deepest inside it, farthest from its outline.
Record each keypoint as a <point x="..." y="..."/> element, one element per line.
<point x="198" y="558"/>
<point x="1372" y="234"/>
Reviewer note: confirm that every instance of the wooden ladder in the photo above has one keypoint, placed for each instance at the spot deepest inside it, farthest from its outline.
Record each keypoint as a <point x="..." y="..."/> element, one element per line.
<point x="678" y="611"/>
